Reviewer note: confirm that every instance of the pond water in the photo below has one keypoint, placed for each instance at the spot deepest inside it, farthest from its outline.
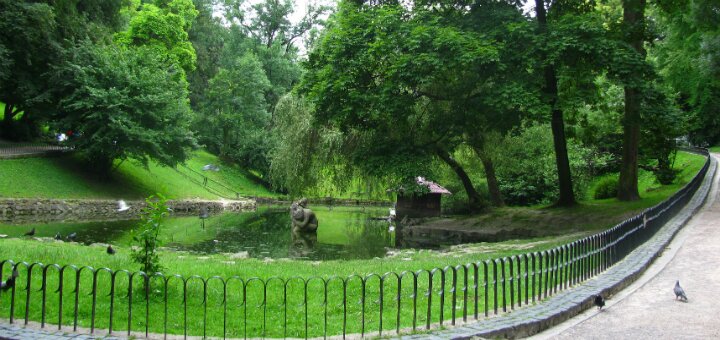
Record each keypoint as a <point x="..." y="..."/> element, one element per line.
<point x="343" y="233"/>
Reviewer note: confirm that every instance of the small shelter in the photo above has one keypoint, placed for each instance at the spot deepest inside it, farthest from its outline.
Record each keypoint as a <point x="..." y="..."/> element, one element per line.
<point x="421" y="205"/>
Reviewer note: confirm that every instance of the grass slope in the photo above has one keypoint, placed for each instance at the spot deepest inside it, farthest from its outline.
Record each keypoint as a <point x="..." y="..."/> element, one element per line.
<point x="64" y="177"/>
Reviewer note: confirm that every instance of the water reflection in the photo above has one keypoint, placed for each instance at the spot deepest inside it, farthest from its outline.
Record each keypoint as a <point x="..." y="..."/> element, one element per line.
<point x="302" y="245"/>
<point x="344" y="233"/>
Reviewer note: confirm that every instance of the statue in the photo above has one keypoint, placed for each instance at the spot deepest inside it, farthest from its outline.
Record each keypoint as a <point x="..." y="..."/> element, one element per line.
<point x="303" y="219"/>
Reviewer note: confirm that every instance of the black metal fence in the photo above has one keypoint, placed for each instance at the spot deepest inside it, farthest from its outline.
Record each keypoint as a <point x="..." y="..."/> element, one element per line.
<point x="395" y="302"/>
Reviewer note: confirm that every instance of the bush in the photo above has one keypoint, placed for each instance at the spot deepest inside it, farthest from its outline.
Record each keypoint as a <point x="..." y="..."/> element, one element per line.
<point x="146" y="237"/>
<point x="666" y="175"/>
<point x="527" y="171"/>
<point x="606" y="187"/>
<point x="457" y="203"/>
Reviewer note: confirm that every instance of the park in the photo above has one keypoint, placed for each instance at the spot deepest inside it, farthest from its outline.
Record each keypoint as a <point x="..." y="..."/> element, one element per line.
<point x="356" y="168"/>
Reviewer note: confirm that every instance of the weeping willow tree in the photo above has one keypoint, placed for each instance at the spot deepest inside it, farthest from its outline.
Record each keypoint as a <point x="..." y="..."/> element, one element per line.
<point x="309" y="159"/>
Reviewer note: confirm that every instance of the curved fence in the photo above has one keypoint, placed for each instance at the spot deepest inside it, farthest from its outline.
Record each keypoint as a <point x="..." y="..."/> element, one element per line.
<point x="395" y="302"/>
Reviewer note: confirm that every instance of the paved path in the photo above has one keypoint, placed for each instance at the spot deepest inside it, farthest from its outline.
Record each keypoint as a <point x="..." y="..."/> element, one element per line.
<point x="20" y="150"/>
<point x="647" y="309"/>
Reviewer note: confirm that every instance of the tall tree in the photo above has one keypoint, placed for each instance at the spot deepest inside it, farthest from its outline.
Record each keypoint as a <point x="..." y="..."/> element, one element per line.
<point x="634" y="27"/>
<point x="550" y="94"/>
<point x="33" y="35"/>
<point x="240" y="119"/>
<point x="394" y="82"/>
<point x="208" y="37"/>
<point x="123" y="103"/>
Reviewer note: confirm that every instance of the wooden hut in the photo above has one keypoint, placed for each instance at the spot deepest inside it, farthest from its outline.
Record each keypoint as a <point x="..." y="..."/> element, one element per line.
<point x="421" y="205"/>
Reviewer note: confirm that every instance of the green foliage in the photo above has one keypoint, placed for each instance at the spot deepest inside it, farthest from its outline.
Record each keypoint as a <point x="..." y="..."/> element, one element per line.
<point x="396" y="82"/>
<point x="35" y="34"/>
<point x="163" y="29"/>
<point x="688" y="58"/>
<point x="606" y="187"/>
<point x="527" y="171"/>
<point x="291" y="160"/>
<point x="236" y="122"/>
<point x="208" y="37"/>
<point x="598" y="122"/>
<point x="123" y="103"/>
<point x="146" y="236"/>
<point x="663" y="123"/>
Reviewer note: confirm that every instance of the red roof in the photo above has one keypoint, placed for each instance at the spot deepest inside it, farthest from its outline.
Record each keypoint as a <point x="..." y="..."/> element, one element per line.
<point x="434" y="187"/>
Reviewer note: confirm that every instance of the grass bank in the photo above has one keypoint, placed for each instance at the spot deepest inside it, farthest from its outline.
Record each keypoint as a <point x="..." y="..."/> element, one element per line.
<point x="65" y="177"/>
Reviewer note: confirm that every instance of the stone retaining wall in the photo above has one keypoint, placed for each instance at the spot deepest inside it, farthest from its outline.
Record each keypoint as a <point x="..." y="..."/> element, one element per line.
<point x="33" y="210"/>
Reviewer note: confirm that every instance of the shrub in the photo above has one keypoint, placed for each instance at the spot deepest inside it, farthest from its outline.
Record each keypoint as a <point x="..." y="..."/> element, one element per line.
<point x="665" y="175"/>
<point x="606" y="187"/>
<point x="527" y="171"/>
<point x="146" y="236"/>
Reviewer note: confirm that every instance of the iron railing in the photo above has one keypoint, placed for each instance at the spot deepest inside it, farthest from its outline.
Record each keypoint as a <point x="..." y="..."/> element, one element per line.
<point x="211" y="185"/>
<point x="395" y="302"/>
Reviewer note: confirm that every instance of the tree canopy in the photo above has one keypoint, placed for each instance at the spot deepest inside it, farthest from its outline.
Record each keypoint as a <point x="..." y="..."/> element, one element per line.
<point x="370" y="94"/>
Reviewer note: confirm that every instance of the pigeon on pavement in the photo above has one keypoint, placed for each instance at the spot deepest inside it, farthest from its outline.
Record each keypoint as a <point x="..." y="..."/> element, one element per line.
<point x="599" y="301"/>
<point x="679" y="292"/>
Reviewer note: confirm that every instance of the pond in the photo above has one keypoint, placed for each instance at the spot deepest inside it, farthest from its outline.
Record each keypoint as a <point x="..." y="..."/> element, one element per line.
<point x="343" y="233"/>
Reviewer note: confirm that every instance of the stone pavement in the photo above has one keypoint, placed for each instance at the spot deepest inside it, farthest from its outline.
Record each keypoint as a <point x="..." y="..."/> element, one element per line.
<point x="16" y="332"/>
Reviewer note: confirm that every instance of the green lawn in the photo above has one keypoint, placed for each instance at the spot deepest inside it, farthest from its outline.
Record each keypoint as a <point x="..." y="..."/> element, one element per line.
<point x="273" y="311"/>
<point x="64" y="177"/>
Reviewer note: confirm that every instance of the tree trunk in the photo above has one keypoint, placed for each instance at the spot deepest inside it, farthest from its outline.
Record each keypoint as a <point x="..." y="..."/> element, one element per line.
<point x="9" y="112"/>
<point x="493" y="187"/>
<point x="473" y="197"/>
<point x="550" y="92"/>
<point x="634" y="22"/>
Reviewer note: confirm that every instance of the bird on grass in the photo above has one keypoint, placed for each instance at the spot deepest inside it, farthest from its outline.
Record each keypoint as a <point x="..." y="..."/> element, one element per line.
<point x="58" y="236"/>
<point x="110" y="250"/>
<point x="679" y="292"/>
<point x="599" y="301"/>
<point x="72" y="236"/>
<point x="10" y="282"/>
<point x="31" y="232"/>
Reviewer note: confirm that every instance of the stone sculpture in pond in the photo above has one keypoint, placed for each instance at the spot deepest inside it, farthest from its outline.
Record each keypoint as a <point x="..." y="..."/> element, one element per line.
<point x="303" y="219"/>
